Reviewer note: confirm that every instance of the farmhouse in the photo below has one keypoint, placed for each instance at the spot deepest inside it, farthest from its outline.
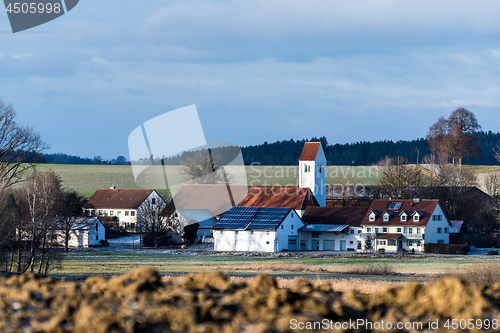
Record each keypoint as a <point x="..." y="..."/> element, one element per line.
<point x="84" y="232"/>
<point x="120" y="204"/>
<point x="332" y="228"/>
<point x="395" y="225"/>
<point x="266" y="229"/>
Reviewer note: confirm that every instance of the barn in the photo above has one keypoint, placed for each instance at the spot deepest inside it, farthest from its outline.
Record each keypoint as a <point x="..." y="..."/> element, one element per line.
<point x="265" y="229"/>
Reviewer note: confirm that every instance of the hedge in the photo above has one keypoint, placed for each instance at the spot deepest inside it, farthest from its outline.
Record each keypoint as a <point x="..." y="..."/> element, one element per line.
<point x="446" y="248"/>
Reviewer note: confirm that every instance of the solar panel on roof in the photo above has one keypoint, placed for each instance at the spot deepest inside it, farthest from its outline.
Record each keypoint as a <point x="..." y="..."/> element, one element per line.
<point x="268" y="218"/>
<point x="396" y="205"/>
<point x="236" y="218"/>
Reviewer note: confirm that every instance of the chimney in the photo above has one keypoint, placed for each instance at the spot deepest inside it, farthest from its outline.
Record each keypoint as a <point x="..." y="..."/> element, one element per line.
<point x="416" y="200"/>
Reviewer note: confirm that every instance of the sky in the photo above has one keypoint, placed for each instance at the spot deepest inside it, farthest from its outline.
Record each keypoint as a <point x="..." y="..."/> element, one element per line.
<point x="259" y="70"/>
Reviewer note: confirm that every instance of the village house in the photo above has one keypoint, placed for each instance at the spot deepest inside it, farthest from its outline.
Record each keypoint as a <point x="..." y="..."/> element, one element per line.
<point x="332" y="229"/>
<point x="84" y="232"/>
<point x="265" y="229"/>
<point x="120" y="205"/>
<point x="397" y="225"/>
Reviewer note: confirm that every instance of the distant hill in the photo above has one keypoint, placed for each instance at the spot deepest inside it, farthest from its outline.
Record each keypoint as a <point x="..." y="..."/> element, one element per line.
<point x="287" y="152"/>
<point x="361" y="153"/>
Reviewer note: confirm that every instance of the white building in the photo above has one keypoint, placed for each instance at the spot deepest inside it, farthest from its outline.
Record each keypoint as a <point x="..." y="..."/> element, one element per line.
<point x="396" y="225"/>
<point x="312" y="170"/>
<point x="265" y="229"/>
<point x="120" y="205"/>
<point x="332" y="229"/>
<point x="84" y="232"/>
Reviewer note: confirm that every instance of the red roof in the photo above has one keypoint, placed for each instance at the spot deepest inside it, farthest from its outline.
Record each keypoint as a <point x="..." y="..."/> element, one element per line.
<point x="215" y="197"/>
<point x="279" y="196"/>
<point x="351" y="216"/>
<point x="117" y="198"/>
<point x="310" y="151"/>
<point x="427" y="207"/>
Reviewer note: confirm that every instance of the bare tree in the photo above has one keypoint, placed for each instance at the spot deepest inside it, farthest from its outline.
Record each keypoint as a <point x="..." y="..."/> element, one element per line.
<point x="157" y="229"/>
<point x="454" y="138"/>
<point x="70" y="209"/>
<point x="453" y="175"/>
<point x="398" y="179"/>
<point x="43" y="193"/>
<point x="492" y="185"/>
<point x="19" y="147"/>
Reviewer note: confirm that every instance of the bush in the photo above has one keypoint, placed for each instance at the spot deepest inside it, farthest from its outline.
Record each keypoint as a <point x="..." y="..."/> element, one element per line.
<point x="446" y="248"/>
<point x="486" y="241"/>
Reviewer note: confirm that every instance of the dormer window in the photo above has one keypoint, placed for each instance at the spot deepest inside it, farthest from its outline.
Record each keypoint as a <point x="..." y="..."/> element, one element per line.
<point x="372" y="217"/>
<point x="417" y="215"/>
<point x="403" y="218"/>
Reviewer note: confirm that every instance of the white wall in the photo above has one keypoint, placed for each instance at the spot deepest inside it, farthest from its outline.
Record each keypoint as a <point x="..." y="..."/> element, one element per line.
<point x="258" y="240"/>
<point x="314" y="179"/>
<point x="431" y="234"/>
<point x="351" y="239"/>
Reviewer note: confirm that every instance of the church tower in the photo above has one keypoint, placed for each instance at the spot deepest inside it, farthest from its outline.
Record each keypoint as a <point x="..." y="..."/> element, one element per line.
<point x="312" y="170"/>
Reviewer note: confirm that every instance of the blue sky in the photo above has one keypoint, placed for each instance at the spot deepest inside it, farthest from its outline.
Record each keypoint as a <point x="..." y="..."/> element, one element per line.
<point x="257" y="70"/>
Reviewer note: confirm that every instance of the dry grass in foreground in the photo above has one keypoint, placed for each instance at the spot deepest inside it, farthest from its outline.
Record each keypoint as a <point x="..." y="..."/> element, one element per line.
<point x="143" y="301"/>
<point x="382" y="270"/>
<point x="480" y="274"/>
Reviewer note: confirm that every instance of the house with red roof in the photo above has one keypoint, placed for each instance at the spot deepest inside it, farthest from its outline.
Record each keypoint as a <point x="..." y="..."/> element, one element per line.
<point x="396" y="225"/>
<point x="120" y="205"/>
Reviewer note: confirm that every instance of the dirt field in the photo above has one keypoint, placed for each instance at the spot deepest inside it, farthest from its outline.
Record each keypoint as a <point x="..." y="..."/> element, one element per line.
<point x="143" y="301"/>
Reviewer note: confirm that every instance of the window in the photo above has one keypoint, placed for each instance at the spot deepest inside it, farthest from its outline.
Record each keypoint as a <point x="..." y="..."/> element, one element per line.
<point x="96" y="237"/>
<point x="315" y="234"/>
<point x="376" y="230"/>
<point x="440" y="230"/>
<point x="416" y="218"/>
<point x="437" y="217"/>
<point x="267" y="242"/>
<point x="446" y="230"/>
<point x="398" y="230"/>
<point x="372" y="217"/>
<point x="251" y="232"/>
<point x="386" y="217"/>
<point x="308" y="168"/>
<point x="403" y="218"/>
<point x="368" y="229"/>
<point x="111" y="212"/>
<point x="319" y="169"/>
<point x="118" y="213"/>
<point x="132" y="213"/>
<point x="410" y="230"/>
<point x="385" y="230"/>
<point x="359" y="231"/>
<point x="127" y="213"/>
<point x="305" y="168"/>
<point x="153" y="201"/>
<point x="418" y="230"/>
<point x="282" y="227"/>
<point x="395" y="205"/>
<point x="440" y="241"/>
<point x="236" y="232"/>
<point x="352" y="231"/>
<point x="291" y="227"/>
<point x="419" y="243"/>
<point x="351" y="242"/>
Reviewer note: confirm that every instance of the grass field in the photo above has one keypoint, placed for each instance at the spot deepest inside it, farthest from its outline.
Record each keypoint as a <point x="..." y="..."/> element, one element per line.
<point x="86" y="179"/>
<point x="83" y="263"/>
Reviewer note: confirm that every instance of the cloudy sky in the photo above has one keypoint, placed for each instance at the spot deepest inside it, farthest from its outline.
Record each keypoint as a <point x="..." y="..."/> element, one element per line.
<point x="257" y="70"/>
